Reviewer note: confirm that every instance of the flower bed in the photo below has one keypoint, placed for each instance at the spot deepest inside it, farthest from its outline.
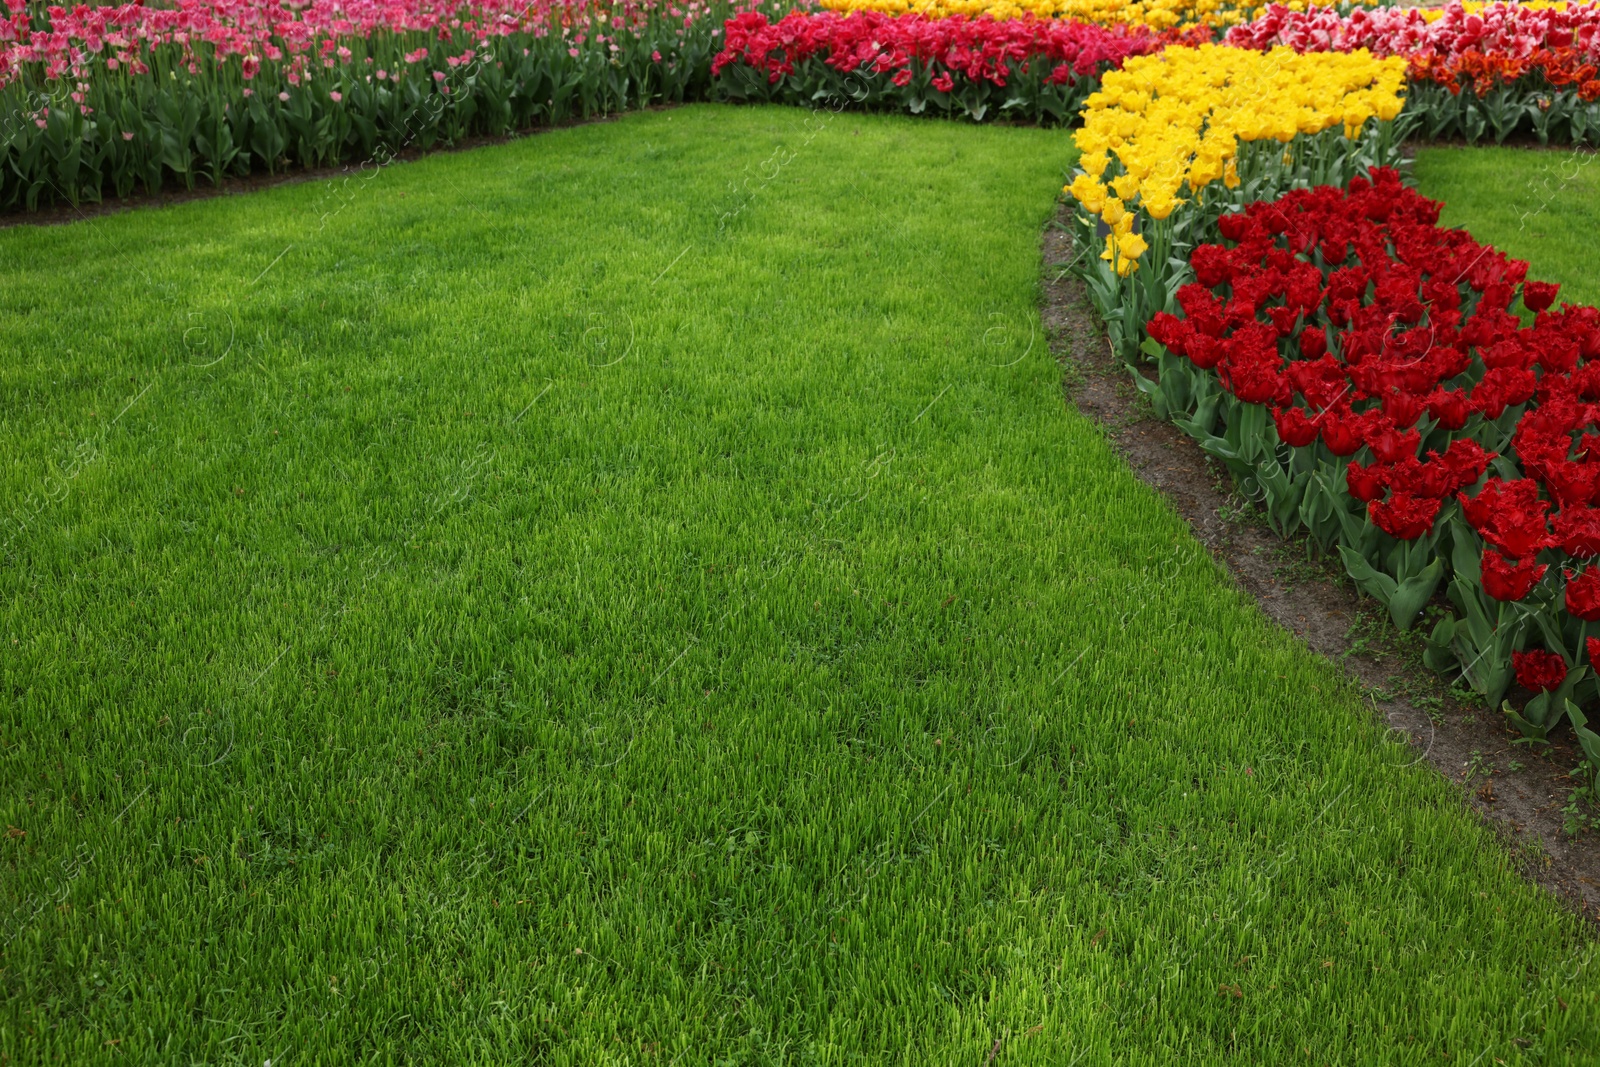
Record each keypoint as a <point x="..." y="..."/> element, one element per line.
<point x="1477" y="70"/>
<point x="1366" y="376"/>
<point x="101" y="100"/>
<point x="1032" y="68"/>
<point x="1154" y="14"/>
<point x="1173" y="141"/>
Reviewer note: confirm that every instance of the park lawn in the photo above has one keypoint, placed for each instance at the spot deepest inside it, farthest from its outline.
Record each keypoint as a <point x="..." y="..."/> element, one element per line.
<point x="1539" y="205"/>
<point x="638" y="594"/>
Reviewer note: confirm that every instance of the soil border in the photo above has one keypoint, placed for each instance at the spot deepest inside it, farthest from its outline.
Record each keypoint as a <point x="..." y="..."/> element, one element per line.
<point x="1465" y="742"/>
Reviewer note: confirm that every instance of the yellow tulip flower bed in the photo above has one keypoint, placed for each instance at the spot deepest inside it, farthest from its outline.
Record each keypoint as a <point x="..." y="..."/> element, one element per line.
<point x="1155" y="14"/>
<point x="1172" y="141"/>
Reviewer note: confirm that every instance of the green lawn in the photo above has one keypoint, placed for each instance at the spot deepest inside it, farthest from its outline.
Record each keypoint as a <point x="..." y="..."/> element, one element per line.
<point x="629" y="596"/>
<point x="1541" y="206"/>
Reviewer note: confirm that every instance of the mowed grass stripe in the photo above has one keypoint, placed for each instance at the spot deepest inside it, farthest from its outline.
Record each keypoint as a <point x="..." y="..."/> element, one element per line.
<point x="528" y="639"/>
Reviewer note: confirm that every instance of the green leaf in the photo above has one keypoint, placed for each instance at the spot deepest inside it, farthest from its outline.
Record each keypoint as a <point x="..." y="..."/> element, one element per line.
<point x="1524" y="726"/>
<point x="1588" y="740"/>
<point x="1438" y="654"/>
<point x="1372" y="581"/>
<point x="1408" y="599"/>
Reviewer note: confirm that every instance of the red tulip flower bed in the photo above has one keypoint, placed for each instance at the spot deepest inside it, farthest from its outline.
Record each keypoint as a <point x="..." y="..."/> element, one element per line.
<point x="1374" y="379"/>
<point x="1031" y="68"/>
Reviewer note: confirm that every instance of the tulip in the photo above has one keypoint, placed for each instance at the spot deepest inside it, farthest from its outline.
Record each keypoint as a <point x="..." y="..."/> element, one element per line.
<point x="1404" y="516"/>
<point x="1131" y="245"/>
<point x="1539" y="670"/>
<point x="1583" y="595"/>
<point x="1508" y="581"/>
<point x="1366" y="484"/>
<point x="1160" y="205"/>
<point x="1295" y="428"/>
<point x="1538" y="296"/>
<point x="1449" y="408"/>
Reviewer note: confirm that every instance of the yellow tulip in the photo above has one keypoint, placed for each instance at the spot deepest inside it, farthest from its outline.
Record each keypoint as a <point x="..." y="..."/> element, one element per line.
<point x="1159" y="206"/>
<point x="1124" y="265"/>
<point x="1203" y="171"/>
<point x="1088" y="192"/>
<point x="1178" y="117"/>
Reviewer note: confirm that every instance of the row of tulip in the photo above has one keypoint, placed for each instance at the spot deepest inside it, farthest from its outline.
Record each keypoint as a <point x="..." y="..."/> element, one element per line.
<point x="1476" y="70"/>
<point x="1173" y="141"/>
<point x="103" y="100"/>
<point x="1152" y="14"/>
<point x="1369" y="377"/>
<point x="1365" y="375"/>
<point x="1039" y="70"/>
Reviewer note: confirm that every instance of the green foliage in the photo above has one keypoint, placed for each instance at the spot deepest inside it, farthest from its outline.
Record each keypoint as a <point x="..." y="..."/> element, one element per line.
<point x="206" y="122"/>
<point x="1553" y="114"/>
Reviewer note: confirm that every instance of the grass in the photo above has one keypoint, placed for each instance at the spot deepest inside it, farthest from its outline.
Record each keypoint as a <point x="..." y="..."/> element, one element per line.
<point x="637" y="595"/>
<point x="1541" y="206"/>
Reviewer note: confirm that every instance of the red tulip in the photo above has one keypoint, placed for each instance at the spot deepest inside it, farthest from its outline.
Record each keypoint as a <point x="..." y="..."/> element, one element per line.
<point x="1234" y="227"/>
<point x="1569" y="483"/>
<point x="1448" y="408"/>
<point x="1284" y="319"/>
<point x="1583" y="595"/>
<point x="1204" y="351"/>
<point x="1212" y="265"/>
<point x="1404" y="516"/>
<point x="1313" y="342"/>
<point x="1322" y="381"/>
<point x="1512" y="352"/>
<point x="1589" y="343"/>
<point x="1403" y="408"/>
<point x="1504" y="580"/>
<point x="1342" y="434"/>
<point x="1295" y="428"/>
<point x="1170" y="331"/>
<point x="1509" y="514"/>
<point x="1538" y="669"/>
<point x="1366" y="484"/>
<point x="1392" y="445"/>
<point x="1519" y="532"/>
<point x="1503" y="387"/>
<point x="1466" y="461"/>
<point x="1538" y="296"/>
